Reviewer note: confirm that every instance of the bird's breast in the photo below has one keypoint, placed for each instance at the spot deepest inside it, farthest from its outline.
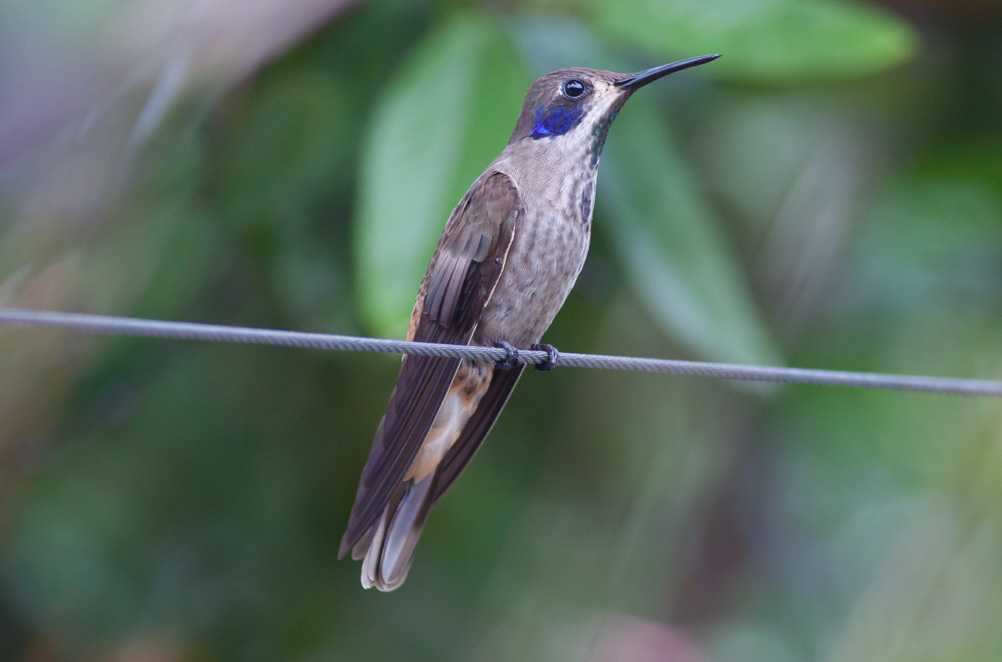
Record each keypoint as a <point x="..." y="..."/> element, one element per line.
<point x="547" y="254"/>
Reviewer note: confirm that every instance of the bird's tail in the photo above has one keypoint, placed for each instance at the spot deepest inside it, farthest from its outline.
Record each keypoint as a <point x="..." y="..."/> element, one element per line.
<point x="388" y="547"/>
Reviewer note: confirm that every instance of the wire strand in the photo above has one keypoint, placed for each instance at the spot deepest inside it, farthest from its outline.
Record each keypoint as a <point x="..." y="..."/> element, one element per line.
<point x="131" y="326"/>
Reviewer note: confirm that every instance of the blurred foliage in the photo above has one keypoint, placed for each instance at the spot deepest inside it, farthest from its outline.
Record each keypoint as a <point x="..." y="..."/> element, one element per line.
<point x="828" y="194"/>
<point x="767" y="40"/>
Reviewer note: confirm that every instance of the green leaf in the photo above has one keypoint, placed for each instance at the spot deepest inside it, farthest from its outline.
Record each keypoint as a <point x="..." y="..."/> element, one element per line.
<point x="440" y="122"/>
<point x="670" y="247"/>
<point x="768" y="40"/>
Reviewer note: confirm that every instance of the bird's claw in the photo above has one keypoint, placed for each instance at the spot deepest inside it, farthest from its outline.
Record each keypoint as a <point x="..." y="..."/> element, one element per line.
<point x="512" y="357"/>
<point x="552" y="355"/>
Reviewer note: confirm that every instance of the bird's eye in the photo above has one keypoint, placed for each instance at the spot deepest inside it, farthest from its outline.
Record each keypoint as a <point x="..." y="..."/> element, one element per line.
<point x="573" y="88"/>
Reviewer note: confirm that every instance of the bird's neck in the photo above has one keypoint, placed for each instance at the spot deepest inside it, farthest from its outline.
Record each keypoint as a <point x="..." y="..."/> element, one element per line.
<point x="555" y="174"/>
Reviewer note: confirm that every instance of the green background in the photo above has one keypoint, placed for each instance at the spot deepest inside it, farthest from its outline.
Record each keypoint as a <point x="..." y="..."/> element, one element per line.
<point x="828" y="194"/>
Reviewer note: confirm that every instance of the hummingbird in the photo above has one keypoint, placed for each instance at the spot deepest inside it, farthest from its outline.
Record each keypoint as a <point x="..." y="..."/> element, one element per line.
<point x="508" y="257"/>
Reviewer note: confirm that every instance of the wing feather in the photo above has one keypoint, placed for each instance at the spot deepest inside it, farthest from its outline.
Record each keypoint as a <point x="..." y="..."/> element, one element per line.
<point x="459" y="282"/>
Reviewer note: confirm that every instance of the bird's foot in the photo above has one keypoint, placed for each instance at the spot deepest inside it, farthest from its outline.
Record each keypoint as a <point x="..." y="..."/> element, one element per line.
<point x="552" y="355"/>
<point x="511" y="358"/>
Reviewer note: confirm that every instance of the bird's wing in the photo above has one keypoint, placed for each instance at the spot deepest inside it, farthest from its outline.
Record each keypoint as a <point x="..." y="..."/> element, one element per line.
<point x="475" y="430"/>
<point x="460" y="281"/>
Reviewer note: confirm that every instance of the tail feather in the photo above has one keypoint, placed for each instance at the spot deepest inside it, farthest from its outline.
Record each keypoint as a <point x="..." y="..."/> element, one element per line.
<point x="388" y="547"/>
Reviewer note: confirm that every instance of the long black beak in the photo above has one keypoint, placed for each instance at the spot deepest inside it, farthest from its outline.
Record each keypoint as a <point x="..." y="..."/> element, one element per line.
<point x="640" y="79"/>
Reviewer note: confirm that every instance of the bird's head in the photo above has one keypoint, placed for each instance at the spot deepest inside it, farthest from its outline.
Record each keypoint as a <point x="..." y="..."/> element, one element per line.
<point x="578" y="105"/>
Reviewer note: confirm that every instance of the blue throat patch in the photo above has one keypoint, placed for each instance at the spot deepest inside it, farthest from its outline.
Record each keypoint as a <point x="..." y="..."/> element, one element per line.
<point x="556" y="120"/>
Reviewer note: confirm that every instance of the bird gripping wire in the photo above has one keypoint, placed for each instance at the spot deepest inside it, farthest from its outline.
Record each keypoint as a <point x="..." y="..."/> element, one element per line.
<point x="129" y="326"/>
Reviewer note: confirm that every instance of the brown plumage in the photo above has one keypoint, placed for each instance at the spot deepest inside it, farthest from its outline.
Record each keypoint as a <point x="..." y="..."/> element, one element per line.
<point x="508" y="257"/>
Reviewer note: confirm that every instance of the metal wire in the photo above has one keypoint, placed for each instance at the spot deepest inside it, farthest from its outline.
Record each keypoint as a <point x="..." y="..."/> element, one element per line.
<point x="233" y="334"/>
